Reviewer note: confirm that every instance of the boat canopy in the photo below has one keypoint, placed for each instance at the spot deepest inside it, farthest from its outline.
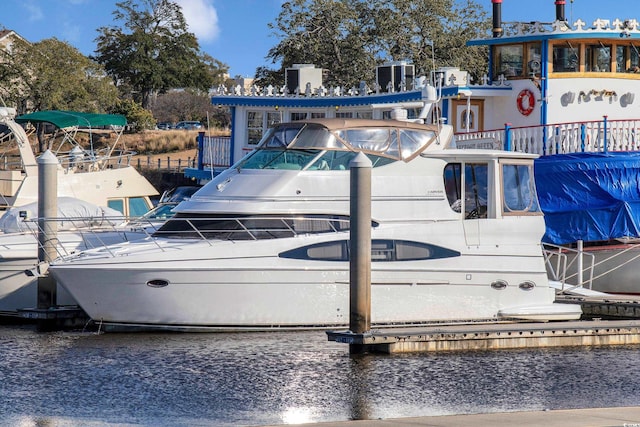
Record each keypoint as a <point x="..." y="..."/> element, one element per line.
<point x="330" y="144"/>
<point x="67" y="119"/>
<point x="589" y="196"/>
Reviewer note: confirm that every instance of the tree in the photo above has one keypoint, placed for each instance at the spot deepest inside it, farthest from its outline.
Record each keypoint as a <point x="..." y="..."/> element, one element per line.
<point x="51" y="75"/>
<point x="138" y="118"/>
<point x="181" y="105"/>
<point x="349" y="38"/>
<point x="332" y="34"/>
<point x="153" y="51"/>
<point x="433" y="34"/>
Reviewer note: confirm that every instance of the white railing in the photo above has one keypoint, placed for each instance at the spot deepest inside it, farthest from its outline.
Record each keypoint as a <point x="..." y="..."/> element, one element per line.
<point x="216" y="151"/>
<point x="560" y="138"/>
<point x="569" y="266"/>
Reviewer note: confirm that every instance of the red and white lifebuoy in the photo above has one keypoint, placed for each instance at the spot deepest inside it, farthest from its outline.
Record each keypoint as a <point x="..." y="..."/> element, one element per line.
<point x="526" y="102"/>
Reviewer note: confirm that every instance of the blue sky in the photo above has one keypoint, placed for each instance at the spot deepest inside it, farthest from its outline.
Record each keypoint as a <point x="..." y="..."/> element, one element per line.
<point x="235" y="31"/>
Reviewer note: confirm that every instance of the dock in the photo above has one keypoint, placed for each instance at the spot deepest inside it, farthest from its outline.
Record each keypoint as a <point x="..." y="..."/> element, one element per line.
<point x="493" y="336"/>
<point x="610" y="320"/>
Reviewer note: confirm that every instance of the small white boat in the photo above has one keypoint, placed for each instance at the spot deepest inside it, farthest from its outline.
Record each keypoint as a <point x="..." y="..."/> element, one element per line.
<point x="455" y="237"/>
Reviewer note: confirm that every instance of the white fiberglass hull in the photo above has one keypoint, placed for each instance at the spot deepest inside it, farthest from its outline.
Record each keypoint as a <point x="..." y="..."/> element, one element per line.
<point x="239" y="286"/>
<point x="18" y="253"/>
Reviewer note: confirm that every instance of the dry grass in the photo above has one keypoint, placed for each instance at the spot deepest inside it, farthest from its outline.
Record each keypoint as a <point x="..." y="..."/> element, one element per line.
<point x="164" y="141"/>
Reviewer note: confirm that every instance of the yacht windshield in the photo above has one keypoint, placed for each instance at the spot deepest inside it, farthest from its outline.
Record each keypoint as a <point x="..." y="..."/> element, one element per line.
<point x="311" y="146"/>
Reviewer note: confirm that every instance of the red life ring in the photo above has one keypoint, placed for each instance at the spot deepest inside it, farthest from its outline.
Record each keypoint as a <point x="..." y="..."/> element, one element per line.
<point x="526" y="102"/>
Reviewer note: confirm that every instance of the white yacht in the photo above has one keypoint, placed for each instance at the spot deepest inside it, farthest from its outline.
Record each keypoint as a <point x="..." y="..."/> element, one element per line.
<point x="455" y="237"/>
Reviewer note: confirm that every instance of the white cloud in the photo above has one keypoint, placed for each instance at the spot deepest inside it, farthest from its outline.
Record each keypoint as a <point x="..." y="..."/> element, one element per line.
<point x="201" y="17"/>
<point x="34" y="11"/>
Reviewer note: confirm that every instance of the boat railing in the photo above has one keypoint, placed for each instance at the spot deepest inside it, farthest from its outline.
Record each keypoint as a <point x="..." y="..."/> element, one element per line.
<point x="98" y="232"/>
<point x="600" y="136"/>
<point x="98" y="160"/>
<point x="572" y="268"/>
<point x="92" y="232"/>
<point x="249" y="228"/>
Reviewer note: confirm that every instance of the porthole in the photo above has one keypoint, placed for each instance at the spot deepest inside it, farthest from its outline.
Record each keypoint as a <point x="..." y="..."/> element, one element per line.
<point x="499" y="285"/>
<point x="157" y="283"/>
<point x="527" y="285"/>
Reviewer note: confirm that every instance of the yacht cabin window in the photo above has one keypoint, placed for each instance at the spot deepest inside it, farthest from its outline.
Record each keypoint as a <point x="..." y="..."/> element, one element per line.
<point x="381" y="251"/>
<point x="473" y="177"/>
<point x="466" y="187"/>
<point x="518" y="186"/>
<point x="242" y="227"/>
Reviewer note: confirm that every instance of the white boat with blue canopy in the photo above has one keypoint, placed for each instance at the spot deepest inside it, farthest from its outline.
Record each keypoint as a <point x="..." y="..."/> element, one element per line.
<point x="264" y="245"/>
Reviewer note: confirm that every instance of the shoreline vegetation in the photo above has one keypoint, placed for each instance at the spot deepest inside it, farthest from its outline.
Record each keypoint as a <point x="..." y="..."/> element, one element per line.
<point x="163" y="145"/>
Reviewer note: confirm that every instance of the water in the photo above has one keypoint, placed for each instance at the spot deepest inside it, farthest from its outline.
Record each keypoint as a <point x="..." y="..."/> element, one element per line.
<point x="67" y="379"/>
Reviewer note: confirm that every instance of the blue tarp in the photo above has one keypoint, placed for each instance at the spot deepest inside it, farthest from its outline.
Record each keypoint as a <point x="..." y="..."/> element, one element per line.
<point x="589" y="196"/>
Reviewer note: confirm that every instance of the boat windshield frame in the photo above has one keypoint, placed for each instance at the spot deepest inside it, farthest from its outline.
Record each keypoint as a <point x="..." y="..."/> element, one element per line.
<point x="313" y="146"/>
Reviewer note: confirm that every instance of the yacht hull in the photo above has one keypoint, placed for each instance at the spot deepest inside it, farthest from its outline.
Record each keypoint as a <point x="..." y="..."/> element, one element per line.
<point x="257" y="292"/>
<point x="18" y="254"/>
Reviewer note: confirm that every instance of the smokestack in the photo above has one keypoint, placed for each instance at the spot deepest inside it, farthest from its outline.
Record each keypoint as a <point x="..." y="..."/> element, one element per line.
<point x="497" y="17"/>
<point x="560" y="10"/>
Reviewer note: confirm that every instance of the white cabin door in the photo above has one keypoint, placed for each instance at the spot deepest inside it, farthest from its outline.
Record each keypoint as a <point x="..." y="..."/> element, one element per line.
<point x="468" y="115"/>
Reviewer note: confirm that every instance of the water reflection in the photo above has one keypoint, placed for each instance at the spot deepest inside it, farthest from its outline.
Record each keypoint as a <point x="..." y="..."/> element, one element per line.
<point x="279" y="378"/>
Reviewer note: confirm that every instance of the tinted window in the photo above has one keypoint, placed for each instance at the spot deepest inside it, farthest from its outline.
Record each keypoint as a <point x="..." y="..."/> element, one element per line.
<point x="185" y="226"/>
<point x="138" y="206"/>
<point x="381" y="251"/>
<point x="117" y="204"/>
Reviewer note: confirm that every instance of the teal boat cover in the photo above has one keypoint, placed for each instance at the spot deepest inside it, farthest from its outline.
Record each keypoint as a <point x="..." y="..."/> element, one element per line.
<point x="66" y="119"/>
<point x="589" y="196"/>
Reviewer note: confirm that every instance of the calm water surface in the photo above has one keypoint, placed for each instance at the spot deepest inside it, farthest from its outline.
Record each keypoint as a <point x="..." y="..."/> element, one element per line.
<point x="68" y="379"/>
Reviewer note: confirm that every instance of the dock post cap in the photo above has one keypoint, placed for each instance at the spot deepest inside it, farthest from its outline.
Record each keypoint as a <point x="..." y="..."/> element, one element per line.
<point x="360" y="161"/>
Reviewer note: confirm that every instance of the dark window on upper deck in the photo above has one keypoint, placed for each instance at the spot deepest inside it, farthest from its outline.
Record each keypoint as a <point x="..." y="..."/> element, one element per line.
<point x="597" y="58"/>
<point x="566" y="58"/>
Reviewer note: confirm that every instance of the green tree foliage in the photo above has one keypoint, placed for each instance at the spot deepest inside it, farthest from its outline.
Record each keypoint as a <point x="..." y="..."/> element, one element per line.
<point x="348" y="38"/>
<point x="138" y="118"/>
<point x="153" y="51"/>
<point x="53" y="75"/>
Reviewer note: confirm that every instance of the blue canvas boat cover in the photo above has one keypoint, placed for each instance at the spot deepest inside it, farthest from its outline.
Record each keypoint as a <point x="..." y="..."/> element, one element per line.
<point x="589" y="196"/>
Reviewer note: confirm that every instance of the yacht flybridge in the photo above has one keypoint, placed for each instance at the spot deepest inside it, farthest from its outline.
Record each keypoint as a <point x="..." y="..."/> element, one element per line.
<point x="455" y="237"/>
